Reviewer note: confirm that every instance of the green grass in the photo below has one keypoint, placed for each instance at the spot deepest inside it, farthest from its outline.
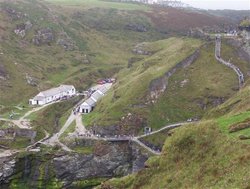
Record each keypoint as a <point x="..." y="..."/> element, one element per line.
<point x="53" y="117"/>
<point x="99" y="3"/>
<point x="133" y="82"/>
<point x="88" y="183"/>
<point x="179" y="103"/>
<point x="17" y="143"/>
<point x="194" y="98"/>
<point x="157" y="139"/>
<point x="196" y="156"/>
<point x="51" y="65"/>
<point x="226" y="121"/>
<point x="83" y="149"/>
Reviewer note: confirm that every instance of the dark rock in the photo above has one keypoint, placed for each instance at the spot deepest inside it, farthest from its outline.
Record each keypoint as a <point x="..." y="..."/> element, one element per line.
<point x="31" y="80"/>
<point x="67" y="44"/>
<point x="108" y="160"/>
<point x="14" y="14"/>
<point x="3" y="73"/>
<point x="136" y="27"/>
<point x="44" y="36"/>
<point x="7" y="165"/>
<point x="243" y="137"/>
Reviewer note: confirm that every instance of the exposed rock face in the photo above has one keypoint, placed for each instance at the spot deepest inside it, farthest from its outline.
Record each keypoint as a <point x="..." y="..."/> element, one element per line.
<point x="140" y="49"/>
<point x="106" y="161"/>
<point x="11" y="133"/>
<point x="66" y="42"/>
<point x="14" y="14"/>
<point x="136" y="27"/>
<point x="31" y="80"/>
<point x="159" y="85"/>
<point x="130" y="124"/>
<point x="7" y="165"/>
<point x="22" y="28"/>
<point x="3" y="73"/>
<point x="44" y="36"/>
<point x="210" y="101"/>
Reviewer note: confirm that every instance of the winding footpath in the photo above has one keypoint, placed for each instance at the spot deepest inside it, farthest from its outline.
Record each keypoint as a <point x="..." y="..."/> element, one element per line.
<point x="228" y="64"/>
<point x="24" y="123"/>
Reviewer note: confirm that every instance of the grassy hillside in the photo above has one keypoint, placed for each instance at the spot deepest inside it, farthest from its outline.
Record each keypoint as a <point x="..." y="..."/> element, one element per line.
<point x="79" y="4"/>
<point x="128" y="94"/>
<point x="99" y="34"/>
<point x="49" y="64"/>
<point x="188" y="95"/>
<point x="197" y="156"/>
<point x="234" y="113"/>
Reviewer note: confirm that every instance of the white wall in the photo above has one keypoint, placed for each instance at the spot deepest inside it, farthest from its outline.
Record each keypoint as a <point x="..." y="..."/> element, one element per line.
<point x="84" y="108"/>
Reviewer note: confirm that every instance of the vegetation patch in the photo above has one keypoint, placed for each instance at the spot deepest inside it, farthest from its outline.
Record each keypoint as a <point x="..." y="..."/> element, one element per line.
<point x="200" y="156"/>
<point x="54" y="116"/>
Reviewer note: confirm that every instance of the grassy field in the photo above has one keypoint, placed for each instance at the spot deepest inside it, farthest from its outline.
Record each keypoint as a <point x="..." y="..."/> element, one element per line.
<point x="197" y="156"/>
<point x="99" y="3"/>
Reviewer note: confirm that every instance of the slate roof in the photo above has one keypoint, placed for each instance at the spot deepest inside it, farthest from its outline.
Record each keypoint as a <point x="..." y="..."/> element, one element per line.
<point x="53" y="91"/>
<point x="89" y="102"/>
<point x="96" y="95"/>
<point x="57" y="90"/>
<point x="103" y="89"/>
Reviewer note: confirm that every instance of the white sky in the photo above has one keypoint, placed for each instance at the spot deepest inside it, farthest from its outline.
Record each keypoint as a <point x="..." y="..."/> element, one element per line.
<point x="219" y="4"/>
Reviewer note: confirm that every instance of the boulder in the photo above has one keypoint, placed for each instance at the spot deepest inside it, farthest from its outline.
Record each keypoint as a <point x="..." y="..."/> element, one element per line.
<point x="141" y="49"/>
<point x="136" y="27"/>
<point x="67" y="44"/>
<point x="43" y="36"/>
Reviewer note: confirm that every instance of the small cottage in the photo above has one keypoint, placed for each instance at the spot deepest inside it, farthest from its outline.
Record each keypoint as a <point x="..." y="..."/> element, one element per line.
<point x="54" y="94"/>
<point x="87" y="106"/>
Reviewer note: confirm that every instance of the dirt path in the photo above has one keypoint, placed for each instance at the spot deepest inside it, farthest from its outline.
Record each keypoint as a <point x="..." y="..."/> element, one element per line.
<point x="164" y="128"/>
<point x="80" y="128"/>
<point x="24" y="123"/>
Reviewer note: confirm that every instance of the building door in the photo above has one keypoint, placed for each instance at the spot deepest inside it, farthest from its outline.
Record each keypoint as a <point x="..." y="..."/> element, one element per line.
<point x="87" y="111"/>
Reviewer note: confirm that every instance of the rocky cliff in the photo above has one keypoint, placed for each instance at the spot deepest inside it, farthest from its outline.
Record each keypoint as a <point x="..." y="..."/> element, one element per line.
<point x="60" y="169"/>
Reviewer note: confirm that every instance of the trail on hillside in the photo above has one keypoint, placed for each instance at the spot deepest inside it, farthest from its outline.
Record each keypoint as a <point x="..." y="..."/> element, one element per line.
<point x="228" y="64"/>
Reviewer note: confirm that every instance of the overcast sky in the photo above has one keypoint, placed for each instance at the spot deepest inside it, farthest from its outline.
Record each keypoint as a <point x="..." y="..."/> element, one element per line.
<point x="220" y="4"/>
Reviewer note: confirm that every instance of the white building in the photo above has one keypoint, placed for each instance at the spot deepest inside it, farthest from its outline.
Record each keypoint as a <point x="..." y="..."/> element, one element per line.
<point x="88" y="105"/>
<point x="53" y="94"/>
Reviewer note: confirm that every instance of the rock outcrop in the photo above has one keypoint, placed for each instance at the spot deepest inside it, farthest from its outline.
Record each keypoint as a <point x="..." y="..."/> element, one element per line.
<point x="141" y="49"/>
<point x="66" y="42"/>
<point x="136" y="27"/>
<point x="3" y="73"/>
<point x="159" y="85"/>
<point x="21" y="29"/>
<point x="107" y="160"/>
<point x="31" y="80"/>
<point x="44" y="36"/>
<point x="14" y="14"/>
<point x="7" y="165"/>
